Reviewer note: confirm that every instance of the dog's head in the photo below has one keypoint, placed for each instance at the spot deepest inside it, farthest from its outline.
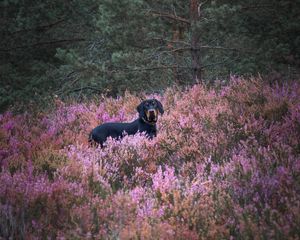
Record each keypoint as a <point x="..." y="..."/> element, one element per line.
<point x="148" y="110"/>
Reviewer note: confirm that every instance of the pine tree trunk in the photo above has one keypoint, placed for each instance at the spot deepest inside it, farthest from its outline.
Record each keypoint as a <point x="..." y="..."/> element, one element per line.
<point x="195" y="42"/>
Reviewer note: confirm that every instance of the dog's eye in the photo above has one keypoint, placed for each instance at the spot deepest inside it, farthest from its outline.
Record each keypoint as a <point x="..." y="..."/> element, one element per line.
<point x="147" y="104"/>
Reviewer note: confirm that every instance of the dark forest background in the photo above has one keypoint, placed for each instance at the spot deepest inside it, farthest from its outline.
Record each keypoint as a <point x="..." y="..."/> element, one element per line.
<point x="78" y="48"/>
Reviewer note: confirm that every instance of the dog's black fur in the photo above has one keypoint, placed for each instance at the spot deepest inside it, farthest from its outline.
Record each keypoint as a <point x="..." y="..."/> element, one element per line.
<point x="148" y="115"/>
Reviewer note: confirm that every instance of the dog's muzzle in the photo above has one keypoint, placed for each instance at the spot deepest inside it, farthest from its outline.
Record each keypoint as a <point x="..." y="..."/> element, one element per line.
<point x="152" y="115"/>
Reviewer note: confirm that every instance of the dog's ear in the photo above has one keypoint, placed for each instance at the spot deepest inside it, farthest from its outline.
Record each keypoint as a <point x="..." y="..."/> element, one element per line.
<point x="160" y="107"/>
<point x="140" y="109"/>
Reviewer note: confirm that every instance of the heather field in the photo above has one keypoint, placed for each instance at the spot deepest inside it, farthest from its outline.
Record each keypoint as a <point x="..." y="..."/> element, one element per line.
<point x="224" y="165"/>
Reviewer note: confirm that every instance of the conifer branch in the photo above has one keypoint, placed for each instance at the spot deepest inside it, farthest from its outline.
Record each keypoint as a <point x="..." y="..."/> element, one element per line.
<point x="170" y="16"/>
<point x="44" y="43"/>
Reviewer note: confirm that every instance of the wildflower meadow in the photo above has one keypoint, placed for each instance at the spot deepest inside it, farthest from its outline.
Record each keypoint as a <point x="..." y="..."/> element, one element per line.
<point x="225" y="165"/>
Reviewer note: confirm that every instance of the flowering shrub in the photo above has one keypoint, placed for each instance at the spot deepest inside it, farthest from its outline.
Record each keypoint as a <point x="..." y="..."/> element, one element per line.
<point x="225" y="164"/>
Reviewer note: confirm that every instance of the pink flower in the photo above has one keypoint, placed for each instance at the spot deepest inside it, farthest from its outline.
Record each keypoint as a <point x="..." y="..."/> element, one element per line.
<point x="164" y="181"/>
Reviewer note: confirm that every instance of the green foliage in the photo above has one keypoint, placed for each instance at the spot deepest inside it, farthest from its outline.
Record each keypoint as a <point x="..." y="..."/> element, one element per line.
<point x="32" y="32"/>
<point x="81" y="47"/>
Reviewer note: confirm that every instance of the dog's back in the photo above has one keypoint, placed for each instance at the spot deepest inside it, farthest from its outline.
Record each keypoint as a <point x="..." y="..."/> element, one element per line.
<point x="114" y="130"/>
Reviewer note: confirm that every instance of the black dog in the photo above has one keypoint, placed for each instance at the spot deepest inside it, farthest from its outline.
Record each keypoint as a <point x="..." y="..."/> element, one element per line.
<point x="148" y="115"/>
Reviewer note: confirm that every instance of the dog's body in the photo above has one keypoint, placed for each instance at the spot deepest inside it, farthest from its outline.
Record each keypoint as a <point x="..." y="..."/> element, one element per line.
<point x="148" y="115"/>
<point x="118" y="130"/>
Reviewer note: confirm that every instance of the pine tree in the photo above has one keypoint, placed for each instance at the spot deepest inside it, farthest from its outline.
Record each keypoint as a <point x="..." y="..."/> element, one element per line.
<point x="88" y="46"/>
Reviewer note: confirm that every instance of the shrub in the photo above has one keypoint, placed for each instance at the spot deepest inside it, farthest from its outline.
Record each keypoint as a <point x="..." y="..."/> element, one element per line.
<point x="225" y="164"/>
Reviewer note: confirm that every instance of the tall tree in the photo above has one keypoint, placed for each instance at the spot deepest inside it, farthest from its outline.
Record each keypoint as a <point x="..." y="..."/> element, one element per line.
<point x="195" y="12"/>
<point x="86" y="46"/>
<point x="31" y="31"/>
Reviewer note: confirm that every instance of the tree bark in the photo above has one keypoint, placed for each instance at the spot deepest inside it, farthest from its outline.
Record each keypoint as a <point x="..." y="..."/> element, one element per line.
<point x="195" y="41"/>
